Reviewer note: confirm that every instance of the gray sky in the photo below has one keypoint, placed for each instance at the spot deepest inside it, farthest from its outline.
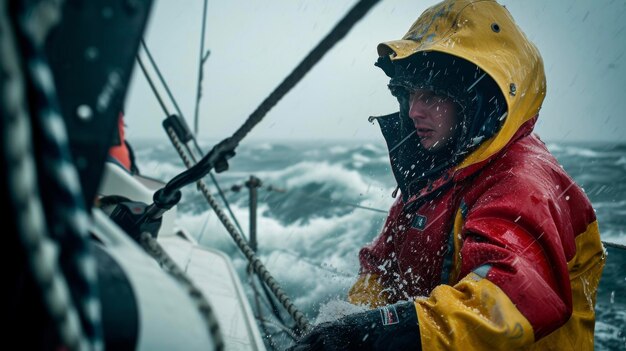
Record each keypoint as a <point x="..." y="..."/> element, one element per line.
<point x="255" y="44"/>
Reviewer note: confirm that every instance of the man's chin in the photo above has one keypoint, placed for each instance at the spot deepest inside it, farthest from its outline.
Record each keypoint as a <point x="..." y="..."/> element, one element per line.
<point x="431" y="146"/>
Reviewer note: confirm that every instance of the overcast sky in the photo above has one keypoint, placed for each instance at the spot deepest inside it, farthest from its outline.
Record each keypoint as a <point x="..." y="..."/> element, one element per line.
<point x="255" y="44"/>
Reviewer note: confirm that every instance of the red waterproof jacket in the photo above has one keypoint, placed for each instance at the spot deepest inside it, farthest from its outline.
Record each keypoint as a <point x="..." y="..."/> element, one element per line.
<point x="502" y="251"/>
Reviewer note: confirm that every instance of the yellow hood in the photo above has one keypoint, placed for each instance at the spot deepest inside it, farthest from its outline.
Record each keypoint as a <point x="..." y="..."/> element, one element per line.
<point x="484" y="33"/>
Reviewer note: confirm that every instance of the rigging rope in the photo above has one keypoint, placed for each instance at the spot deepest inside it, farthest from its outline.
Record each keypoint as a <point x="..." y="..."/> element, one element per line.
<point x="152" y="86"/>
<point x="158" y="72"/>
<point x="200" y="71"/>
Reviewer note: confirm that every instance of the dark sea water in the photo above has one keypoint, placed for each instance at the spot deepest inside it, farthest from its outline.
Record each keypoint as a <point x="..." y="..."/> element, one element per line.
<point x="309" y="230"/>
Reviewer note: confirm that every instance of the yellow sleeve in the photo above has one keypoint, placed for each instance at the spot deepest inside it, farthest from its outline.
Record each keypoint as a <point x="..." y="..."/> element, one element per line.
<point x="472" y="315"/>
<point x="368" y="291"/>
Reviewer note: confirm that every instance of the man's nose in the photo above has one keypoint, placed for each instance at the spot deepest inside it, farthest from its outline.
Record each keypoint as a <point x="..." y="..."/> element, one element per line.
<point x="416" y="109"/>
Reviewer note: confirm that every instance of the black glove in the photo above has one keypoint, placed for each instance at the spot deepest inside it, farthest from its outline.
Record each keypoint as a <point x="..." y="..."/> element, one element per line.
<point x="392" y="327"/>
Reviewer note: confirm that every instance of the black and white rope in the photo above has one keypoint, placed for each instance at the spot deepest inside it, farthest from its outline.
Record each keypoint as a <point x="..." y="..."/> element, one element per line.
<point x="72" y="294"/>
<point x="152" y="247"/>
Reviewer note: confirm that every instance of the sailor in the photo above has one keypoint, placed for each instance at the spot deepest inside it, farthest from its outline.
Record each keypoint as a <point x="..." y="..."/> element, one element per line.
<point x="121" y="153"/>
<point x="489" y="245"/>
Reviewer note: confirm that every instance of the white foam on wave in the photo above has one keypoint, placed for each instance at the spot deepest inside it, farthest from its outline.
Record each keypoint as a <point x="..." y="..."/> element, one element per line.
<point x="358" y="160"/>
<point x="335" y="150"/>
<point x="308" y="284"/>
<point x="373" y="147"/>
<point x="604" y="331"/>
<point x="313" y="153"/>
<point x="329" y="175"/>
<point x="610" y="204"/>
<point x="554" y="147"/>
<point x="589" y="153"/>
<point x="582" y="152"/>
<point x="262" y="147"/>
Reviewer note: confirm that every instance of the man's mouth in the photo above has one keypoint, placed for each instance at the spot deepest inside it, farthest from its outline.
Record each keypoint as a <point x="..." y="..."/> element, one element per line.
<point x="424" y="132"/>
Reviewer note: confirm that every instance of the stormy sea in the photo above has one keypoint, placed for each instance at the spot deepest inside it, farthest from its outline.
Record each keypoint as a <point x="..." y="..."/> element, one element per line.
<point x="320" y="202"/>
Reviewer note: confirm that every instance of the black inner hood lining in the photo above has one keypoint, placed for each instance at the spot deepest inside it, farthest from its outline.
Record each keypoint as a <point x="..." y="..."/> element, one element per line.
<point x="483" y="113"/>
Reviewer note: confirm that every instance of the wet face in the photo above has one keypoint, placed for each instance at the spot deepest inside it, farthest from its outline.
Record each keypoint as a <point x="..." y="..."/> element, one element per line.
<point x="434" y="117"/>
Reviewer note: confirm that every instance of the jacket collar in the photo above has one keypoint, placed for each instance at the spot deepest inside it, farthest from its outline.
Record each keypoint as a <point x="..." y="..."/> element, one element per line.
<point x="400" y="140"/>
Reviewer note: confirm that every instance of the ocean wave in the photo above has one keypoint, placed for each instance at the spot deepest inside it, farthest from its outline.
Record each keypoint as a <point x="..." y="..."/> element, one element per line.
<point x="328" y="242"/>
<point x="599" y="175"/>
<point x="306" y="286"/>
<point x="263" y="147"/>
<point x="609" y="204"/>
<point x="313" y="262"/>
<point x="376" y="148"/>
<point x="554" y="147"/>
<point x="359" y="160"/>
<point x="584" y="152"/>
<point x="609" y="337"/>
<point x="314" y="153"/>
<point x="370" y="151"/>
<point x="613" y="236"/>
<point x="344" y="182"/>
